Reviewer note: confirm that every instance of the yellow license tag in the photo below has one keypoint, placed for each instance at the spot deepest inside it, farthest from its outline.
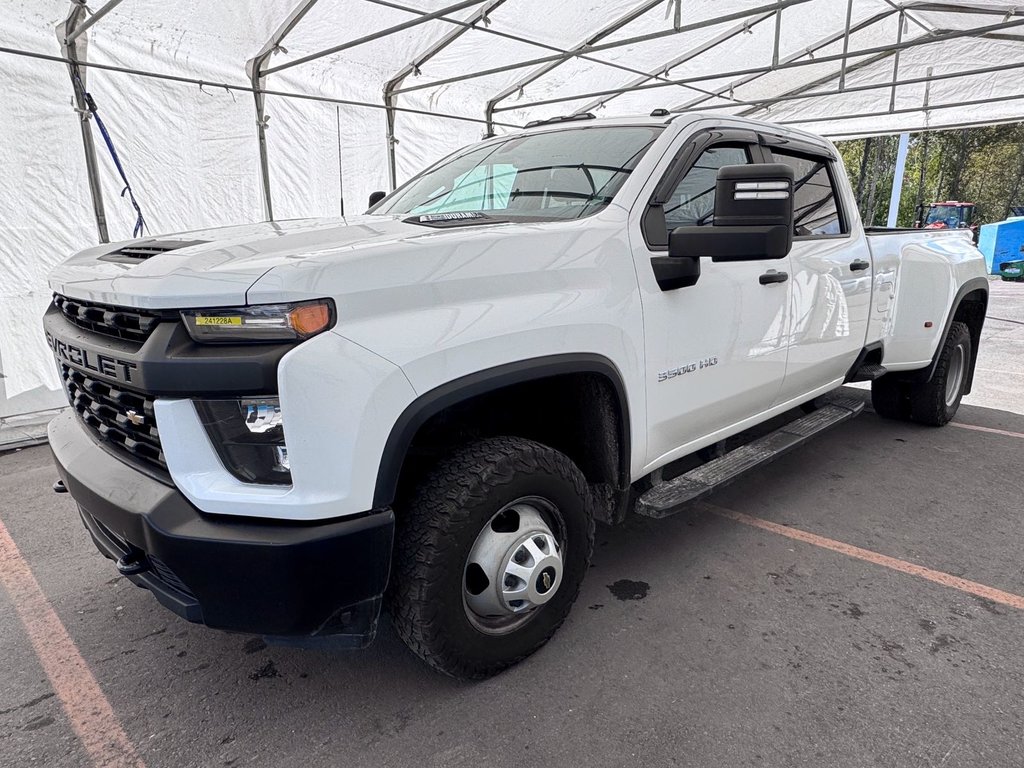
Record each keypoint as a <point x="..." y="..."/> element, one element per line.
<point x="218" y="320"/>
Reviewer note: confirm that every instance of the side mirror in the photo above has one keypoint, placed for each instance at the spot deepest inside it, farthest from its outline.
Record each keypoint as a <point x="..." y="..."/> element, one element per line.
<point x="753" y="217"/>
<point x="376" y="197"/>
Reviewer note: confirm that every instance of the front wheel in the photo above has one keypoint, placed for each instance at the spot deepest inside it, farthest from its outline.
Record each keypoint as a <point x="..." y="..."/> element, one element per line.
<point x="489" y="556"/>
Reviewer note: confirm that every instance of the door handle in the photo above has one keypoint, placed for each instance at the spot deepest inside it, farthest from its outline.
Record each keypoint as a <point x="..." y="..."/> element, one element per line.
<point x="771" y="276"/>
<point x="859" y="264"/>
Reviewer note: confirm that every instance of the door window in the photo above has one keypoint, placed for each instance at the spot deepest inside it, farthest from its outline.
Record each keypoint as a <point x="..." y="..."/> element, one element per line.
<point x="815" y="210"/>
<point x="692" y="203"/>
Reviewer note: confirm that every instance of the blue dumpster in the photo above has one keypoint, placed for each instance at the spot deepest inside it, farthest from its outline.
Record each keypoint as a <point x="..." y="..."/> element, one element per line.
<point x="1002" y="241"/>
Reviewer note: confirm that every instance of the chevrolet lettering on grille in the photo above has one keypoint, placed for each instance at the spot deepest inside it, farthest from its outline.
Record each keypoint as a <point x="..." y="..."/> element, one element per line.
<point x="105" y="365"/>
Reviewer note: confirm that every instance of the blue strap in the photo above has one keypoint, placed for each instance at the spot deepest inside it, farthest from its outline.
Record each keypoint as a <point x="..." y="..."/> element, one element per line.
<point x="140" y="222"/>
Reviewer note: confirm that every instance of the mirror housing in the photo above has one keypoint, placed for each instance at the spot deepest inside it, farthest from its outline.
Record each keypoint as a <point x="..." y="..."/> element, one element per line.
<point x="376" y="197"/>
<point x="753" y="217"/>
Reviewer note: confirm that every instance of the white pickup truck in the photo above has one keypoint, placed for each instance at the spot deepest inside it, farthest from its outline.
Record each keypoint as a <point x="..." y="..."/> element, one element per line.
<point x="279" y="428"/>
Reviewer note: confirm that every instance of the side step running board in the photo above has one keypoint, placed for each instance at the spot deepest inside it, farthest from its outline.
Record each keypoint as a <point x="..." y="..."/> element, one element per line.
<point x="671" y="496"/>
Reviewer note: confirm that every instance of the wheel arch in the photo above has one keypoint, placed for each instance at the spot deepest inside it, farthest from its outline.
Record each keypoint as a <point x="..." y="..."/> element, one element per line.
<point x="493" y="381"/>
<point x="969" y="307"/>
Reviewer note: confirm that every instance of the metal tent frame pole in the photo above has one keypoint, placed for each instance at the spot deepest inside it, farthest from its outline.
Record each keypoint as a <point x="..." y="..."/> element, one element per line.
<point x="240" y="88"/>
<point x="808" y="52"/>
<point x="583" y="47"/>
<point x="381" y="33"/>
<point x="914" y="43"/>
<point x="485" y="30"/>
<point x="84" y="26"/>
<point x="255" y="68"/>
<point x="606" y="47"/>
<point x="897" y="179"/>
<point x="691" y="54"/>
<point x="74" y="52"/>
<point x="390" y="98"/>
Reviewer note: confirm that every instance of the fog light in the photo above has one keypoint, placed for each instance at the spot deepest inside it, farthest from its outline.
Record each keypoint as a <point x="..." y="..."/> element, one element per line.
<point x="281" y="458"/>
<point x="248" y="435"/>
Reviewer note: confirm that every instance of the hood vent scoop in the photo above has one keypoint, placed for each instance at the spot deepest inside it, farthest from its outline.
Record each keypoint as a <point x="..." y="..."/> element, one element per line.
<point x="139" y="252"/>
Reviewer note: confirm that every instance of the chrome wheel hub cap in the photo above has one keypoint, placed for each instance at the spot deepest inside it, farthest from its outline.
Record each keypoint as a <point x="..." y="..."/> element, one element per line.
<point x="514" y="567"/>
<point x="955" y="374"/>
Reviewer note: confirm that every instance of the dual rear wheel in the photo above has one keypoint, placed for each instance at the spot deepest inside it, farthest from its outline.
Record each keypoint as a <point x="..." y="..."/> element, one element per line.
<point x="933" y="402"/>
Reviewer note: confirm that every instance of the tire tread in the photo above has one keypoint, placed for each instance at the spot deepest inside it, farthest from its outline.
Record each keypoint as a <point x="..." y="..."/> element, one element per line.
<point x="441" y="504"/>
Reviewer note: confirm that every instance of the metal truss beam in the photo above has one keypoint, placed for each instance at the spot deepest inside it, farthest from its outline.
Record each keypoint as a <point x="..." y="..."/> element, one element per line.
<point x="679" y="60"/>
<point x="910" y="110"/>
<point x="80" y="29"/>
<point x="390" y="99"/>
<point x="238" y="87"/>
<point x="809" y="52"/>
<point x="581" y="48"/>
<point x="380" y="33"/>
<point x="466" y="25"/>
<point x="917" y="42"/>
<point x="801" y="94"/>
<point x="779" y="4"/>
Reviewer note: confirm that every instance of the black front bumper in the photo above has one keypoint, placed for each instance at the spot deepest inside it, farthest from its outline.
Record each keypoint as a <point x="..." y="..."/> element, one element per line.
<point x="269" y="578"/>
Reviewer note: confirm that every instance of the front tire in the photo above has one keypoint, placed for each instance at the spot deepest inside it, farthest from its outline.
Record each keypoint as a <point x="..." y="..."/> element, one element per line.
<point x="490" y="555"/>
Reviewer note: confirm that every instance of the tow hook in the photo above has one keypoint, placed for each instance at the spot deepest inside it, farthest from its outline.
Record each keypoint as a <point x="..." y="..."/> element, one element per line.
<point x="59" y="487"/>
<point x="132" y="563"/>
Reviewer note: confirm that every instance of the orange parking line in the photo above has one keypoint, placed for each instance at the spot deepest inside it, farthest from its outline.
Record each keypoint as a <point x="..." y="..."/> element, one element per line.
<point x="1019" y="435"/>
<point x="91" y="715"/>
<point x="938" y="577"/>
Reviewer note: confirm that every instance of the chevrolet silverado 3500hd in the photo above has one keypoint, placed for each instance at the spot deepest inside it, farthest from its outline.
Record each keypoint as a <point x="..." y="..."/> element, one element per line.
<point x="278" y="428"/>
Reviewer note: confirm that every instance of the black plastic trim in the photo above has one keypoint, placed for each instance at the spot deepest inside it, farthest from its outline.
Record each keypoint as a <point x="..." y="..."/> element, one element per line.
<point x="268" y="577"/>
<point x="821" y="154"/>
<point x="651" y="226"/>
<point x="169" y="362"/>
<point x="453" y="392"/>
<point x="861" y="357"/>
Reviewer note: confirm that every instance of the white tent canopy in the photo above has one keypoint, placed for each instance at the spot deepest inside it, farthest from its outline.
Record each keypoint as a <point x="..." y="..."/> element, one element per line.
<point x="237" y="110"/>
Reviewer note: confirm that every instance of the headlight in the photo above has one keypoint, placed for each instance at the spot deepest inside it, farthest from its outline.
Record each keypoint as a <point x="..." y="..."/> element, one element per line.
<point x="249" y="437"/>
<point x="264" y="322"/>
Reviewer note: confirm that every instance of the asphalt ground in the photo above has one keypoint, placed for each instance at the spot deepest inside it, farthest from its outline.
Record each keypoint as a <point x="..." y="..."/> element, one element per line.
<point x="698" y="640"/>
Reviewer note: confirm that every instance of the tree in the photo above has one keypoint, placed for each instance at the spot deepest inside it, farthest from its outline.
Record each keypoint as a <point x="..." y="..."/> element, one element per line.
<point x="980" y="165"/>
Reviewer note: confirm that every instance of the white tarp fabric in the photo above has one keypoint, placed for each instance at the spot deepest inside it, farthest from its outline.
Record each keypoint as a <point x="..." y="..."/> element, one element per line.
<point x="191" y="150"/>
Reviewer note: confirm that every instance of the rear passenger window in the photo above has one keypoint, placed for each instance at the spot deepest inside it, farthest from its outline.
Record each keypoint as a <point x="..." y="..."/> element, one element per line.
<point x="814" y="205"/>
<point x="693" y="202"/>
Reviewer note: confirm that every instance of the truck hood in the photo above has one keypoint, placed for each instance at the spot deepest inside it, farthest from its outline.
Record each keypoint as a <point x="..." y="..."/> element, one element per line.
<point x="215" y="267"/>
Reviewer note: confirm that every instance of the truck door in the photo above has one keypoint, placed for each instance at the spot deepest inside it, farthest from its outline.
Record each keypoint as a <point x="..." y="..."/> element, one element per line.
<point x="830" y="285"/>
<point x="715" y="351"/>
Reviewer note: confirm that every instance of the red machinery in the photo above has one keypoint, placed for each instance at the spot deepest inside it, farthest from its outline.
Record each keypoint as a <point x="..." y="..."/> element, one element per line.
<point x="947" y="215"/>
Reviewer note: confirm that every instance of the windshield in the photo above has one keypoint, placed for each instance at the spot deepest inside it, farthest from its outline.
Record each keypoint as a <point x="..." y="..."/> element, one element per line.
<point x="556" y="175"/>
<point x="949" y="215"/>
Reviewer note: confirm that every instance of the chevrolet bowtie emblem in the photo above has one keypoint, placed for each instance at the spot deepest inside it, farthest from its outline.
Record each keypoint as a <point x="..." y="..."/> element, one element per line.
<point x="136" y="418"/>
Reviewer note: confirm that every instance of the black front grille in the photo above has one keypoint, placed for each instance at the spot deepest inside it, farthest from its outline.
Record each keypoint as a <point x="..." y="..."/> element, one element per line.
<point x="121" y="322"/>
<point x="121" y="418"/>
